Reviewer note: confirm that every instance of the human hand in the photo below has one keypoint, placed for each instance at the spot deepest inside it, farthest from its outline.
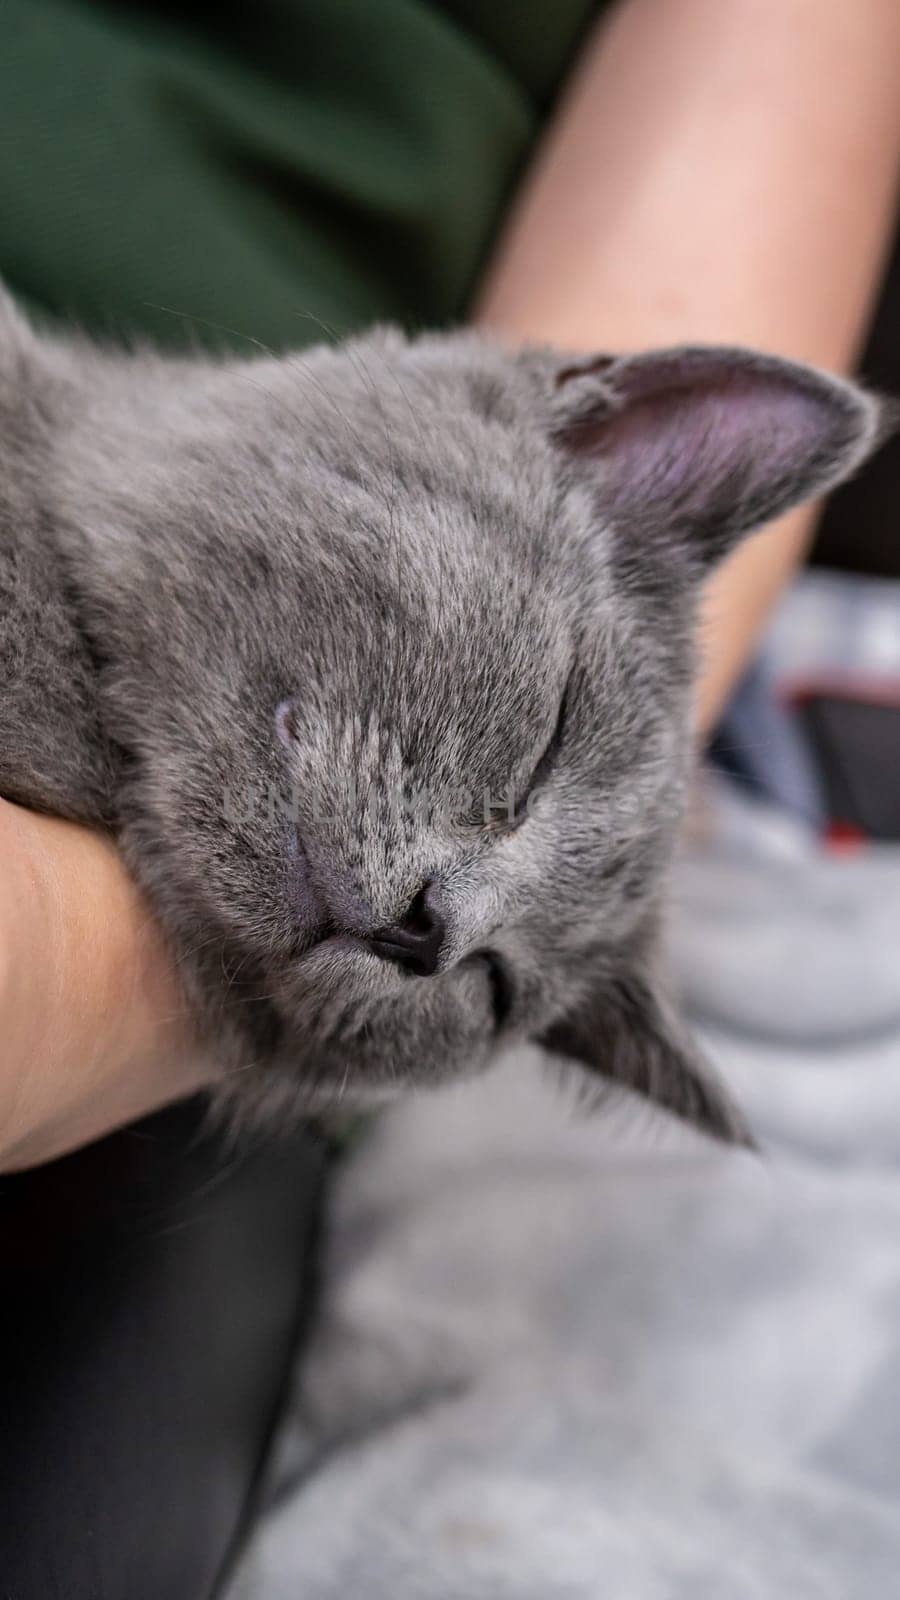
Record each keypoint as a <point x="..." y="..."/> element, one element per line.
<point x="95" y="1030"/>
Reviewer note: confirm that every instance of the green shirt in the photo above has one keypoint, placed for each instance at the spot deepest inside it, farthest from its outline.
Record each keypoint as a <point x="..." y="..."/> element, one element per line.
<point x="266" y="167"/>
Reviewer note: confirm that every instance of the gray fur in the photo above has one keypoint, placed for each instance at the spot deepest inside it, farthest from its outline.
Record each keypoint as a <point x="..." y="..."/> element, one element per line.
<point x="400" y="556"/>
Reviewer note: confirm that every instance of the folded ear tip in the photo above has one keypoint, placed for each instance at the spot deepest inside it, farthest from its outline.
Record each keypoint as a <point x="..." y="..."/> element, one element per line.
<point x="692" y="1091"/>
<point x="627" y="1032"/>
<point x="717" y="1116"/>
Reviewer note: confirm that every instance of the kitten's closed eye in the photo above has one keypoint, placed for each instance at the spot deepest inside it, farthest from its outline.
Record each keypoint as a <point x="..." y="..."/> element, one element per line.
<point x="543" y="767"/>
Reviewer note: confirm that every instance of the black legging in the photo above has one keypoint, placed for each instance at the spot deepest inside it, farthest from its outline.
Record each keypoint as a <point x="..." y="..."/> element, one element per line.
<point x="152" y="1290"/>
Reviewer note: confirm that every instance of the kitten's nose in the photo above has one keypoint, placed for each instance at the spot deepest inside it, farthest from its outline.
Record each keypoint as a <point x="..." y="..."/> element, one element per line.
<point x="415" y="943"/>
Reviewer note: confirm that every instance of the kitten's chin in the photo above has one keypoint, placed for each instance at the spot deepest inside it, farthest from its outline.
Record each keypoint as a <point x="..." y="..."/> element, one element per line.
<point x="358" y="1028"/>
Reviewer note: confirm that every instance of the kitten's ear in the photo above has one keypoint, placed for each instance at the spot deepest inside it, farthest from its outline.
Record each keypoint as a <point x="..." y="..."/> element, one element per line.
<point x="628" y="1032"/>
<point x="704" y="444"/>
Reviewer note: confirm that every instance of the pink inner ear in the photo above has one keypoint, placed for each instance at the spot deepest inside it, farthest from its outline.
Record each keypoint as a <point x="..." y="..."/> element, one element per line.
<point x="687" y="443"/>
<point x="709" y="439"/>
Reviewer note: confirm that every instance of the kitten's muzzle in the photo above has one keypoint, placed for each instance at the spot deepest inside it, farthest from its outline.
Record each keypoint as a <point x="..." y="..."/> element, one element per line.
<point x="418" y="946"/>
<point x="417" y="942"/>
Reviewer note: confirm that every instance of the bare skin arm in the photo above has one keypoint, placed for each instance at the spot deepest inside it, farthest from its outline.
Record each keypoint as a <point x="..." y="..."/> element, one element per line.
<point x="92" y="1024"/>
<point x="716" y="171"/>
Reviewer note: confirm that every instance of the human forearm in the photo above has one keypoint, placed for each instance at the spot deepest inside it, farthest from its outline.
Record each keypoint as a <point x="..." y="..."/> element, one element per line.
<point x="715" y="172"/>
<point x="93" y="1026"/>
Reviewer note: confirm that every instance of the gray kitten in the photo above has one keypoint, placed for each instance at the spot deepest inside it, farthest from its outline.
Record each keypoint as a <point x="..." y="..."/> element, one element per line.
<point x="378" y="660"/>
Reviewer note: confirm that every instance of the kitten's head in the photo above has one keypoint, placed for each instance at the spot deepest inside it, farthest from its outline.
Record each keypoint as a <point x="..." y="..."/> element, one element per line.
<point x="397" y="639"/>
